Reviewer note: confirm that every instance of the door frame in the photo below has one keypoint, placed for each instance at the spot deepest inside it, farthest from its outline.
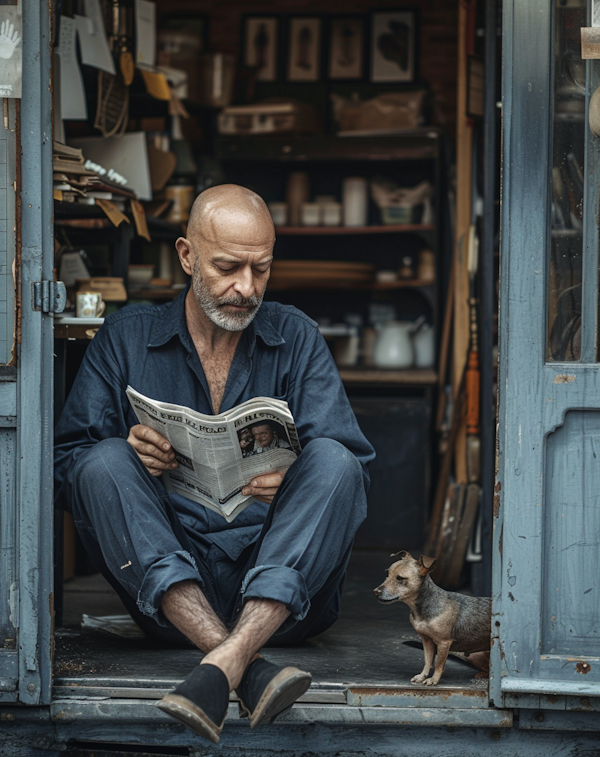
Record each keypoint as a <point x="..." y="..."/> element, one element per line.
<point x="34" y="395"/>
<point x="535" y="395"/>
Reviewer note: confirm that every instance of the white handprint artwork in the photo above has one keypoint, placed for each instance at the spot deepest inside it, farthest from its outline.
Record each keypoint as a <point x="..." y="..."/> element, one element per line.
<point x="9" y="39"/>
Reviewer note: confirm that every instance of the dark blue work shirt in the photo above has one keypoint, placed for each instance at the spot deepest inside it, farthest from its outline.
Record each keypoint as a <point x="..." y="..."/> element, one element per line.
<point x="281" y="355"/>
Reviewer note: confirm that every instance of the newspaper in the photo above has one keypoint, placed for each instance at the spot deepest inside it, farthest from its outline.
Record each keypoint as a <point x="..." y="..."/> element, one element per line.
<point x="218" y="455"/>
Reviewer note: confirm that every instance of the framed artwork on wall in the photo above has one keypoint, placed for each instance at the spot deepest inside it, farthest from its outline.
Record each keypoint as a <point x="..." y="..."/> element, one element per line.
<point x="304" y="42"/>
<point x="260" y="45"/>
<point x="346" y="47"/>
<point x="393" y="46"/>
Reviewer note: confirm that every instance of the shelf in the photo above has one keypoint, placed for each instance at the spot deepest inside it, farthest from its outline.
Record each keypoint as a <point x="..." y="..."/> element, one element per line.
<point x="158" y="293"/>
<point x="326" y="230"/>
<point x="409" y="377"/>
<point x="89" y="217"/>
<point x="420" y="144"/>
<point x="369" y="286"/>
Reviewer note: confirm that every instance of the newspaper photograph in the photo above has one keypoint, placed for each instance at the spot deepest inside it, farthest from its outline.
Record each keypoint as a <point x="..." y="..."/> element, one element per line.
<point x="218" y="455"/>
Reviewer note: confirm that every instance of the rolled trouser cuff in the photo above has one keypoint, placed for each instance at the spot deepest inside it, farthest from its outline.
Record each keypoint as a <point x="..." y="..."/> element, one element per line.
<point x="279" y="583"/>
<point x="171" y="569"/>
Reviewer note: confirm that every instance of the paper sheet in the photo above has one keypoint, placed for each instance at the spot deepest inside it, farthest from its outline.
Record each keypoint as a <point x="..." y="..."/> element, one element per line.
<point x="73" y="104"/>
<point x="126" y="155"/>
<point x="11" y="44"/>
<point x="92" y="38"/>
<point x="145" y="33"/>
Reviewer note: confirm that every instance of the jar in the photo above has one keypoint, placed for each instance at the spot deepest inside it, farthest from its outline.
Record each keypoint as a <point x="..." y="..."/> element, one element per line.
<point x="331" y="213"/>
<point x="279" y="213"/>
<point x="310" y="214"/>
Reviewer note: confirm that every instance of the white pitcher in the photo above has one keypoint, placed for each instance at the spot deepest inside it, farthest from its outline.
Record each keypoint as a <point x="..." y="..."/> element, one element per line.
<point x="393" y="345"/>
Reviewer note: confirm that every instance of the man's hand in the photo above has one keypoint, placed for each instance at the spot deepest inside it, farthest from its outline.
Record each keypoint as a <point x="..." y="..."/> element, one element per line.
<point x="152" y="449"/>
<point x="264" y="487"/>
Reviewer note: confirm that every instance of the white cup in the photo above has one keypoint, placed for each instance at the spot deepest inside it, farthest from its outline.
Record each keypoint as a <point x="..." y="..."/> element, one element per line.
<point x="89" y="305"/>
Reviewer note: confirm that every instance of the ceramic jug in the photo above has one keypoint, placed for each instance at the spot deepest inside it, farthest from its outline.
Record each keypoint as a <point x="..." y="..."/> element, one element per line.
<point x="393" y="345"/>
<point x="424" y="344"/>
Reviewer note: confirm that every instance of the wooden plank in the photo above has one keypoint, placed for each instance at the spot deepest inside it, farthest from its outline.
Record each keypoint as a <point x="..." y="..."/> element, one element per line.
<point x="442" y="483"/>
<point x="326" y="230"/>
<point x="373" y="376"/>
<point x="422" y="144"/>
<point x="464" y="146"/>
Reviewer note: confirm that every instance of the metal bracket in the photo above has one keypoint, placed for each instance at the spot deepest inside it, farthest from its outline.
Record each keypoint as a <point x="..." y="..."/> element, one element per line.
<point x="48" y="296"/>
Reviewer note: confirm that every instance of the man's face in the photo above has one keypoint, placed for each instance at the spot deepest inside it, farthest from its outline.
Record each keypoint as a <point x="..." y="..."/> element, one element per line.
<point x="263" y="435"/>
<point x="230" y="270"/>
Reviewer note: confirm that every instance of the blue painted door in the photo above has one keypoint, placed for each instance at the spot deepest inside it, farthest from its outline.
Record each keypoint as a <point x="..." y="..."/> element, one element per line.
<point x="546" y="604"/>
<point x="26" y="384"/>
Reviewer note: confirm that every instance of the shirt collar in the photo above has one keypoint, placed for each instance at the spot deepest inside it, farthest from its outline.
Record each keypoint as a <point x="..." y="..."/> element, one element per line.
<point x="172" y="323"/>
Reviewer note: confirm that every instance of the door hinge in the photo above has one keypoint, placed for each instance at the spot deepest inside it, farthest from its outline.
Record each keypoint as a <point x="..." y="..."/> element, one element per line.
<point x="49" y="296"/>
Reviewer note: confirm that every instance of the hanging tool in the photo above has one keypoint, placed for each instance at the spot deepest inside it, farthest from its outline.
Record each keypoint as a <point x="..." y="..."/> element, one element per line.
<point x="473" y="376"/>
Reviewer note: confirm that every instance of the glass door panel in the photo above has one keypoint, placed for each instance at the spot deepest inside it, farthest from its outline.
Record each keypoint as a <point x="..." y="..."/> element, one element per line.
<point x="566" y="217"/>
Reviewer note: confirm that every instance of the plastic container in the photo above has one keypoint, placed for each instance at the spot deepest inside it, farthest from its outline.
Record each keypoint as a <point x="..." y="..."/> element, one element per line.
<point x="355" y="199"/>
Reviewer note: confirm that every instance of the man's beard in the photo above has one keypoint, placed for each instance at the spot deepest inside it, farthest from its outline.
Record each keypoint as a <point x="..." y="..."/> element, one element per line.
<point x="213" y="306"/>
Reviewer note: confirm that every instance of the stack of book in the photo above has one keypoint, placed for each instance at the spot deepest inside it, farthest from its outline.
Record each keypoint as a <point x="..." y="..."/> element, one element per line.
<point x="73" y="182"/>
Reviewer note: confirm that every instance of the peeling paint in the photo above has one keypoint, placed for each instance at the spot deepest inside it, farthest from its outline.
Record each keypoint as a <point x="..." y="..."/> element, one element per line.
<point x="13" y="603"/>
<point x="564" y="378"/>
<point x="583" y="667"/>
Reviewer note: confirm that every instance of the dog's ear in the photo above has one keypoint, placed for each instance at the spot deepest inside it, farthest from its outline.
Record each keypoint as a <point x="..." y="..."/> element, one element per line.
<point x="427" y="564"/>
<point x="401" y="555"/>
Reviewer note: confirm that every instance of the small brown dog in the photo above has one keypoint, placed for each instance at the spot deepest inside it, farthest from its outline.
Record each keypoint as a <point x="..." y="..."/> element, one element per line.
<point x="442" y="619"/>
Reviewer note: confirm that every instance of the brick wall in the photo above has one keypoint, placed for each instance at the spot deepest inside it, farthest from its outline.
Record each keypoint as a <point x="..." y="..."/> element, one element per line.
<point x="437" y="32"/>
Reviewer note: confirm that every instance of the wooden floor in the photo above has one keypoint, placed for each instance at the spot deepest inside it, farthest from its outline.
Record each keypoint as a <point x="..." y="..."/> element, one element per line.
<point x="363" y="649"/>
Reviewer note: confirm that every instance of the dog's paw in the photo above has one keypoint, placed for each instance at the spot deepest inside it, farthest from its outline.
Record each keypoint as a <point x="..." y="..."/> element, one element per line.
<point x="431" y="681"/>
<point x="419" y="678"/>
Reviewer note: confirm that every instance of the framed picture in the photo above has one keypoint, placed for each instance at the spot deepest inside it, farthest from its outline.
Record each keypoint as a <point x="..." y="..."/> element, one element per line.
<point x="393" y="46"/>
<point x="260" y="45"/>
<point x="304" y="42"/>
<point x="346" y="47"/>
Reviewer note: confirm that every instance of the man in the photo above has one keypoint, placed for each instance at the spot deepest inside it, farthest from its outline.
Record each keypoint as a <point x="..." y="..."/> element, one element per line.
<point x="276" y="573"/>
<point x="266" y="438"/>
<point x="246" y="442"/>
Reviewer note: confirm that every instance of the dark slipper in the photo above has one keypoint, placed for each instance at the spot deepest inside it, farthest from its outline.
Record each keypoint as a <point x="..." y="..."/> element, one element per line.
<point x="200" y="702"/>
<point x="267" y="690"/>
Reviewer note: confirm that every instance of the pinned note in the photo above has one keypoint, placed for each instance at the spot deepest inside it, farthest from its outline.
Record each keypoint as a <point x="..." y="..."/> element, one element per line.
<point x="139" y="216"/>
<point x="72" y="92"/>
<point x="156" y="85"/>
<point x="11" y="44"/>
<point x="145" y="33"/>
<point x="93" y="44"/>
<point x="112" y="212"/>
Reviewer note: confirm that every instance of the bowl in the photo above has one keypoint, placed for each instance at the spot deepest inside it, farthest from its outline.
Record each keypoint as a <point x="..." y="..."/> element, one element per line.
<point x="140" y="275"/>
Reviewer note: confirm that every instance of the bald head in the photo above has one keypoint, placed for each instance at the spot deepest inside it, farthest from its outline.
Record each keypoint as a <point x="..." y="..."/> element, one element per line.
<point x="228" y="253"/>
<point x="232" y="214"/>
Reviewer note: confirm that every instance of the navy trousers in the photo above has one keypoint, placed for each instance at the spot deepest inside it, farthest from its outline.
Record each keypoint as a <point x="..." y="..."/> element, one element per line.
<point x="296" y="551"/>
